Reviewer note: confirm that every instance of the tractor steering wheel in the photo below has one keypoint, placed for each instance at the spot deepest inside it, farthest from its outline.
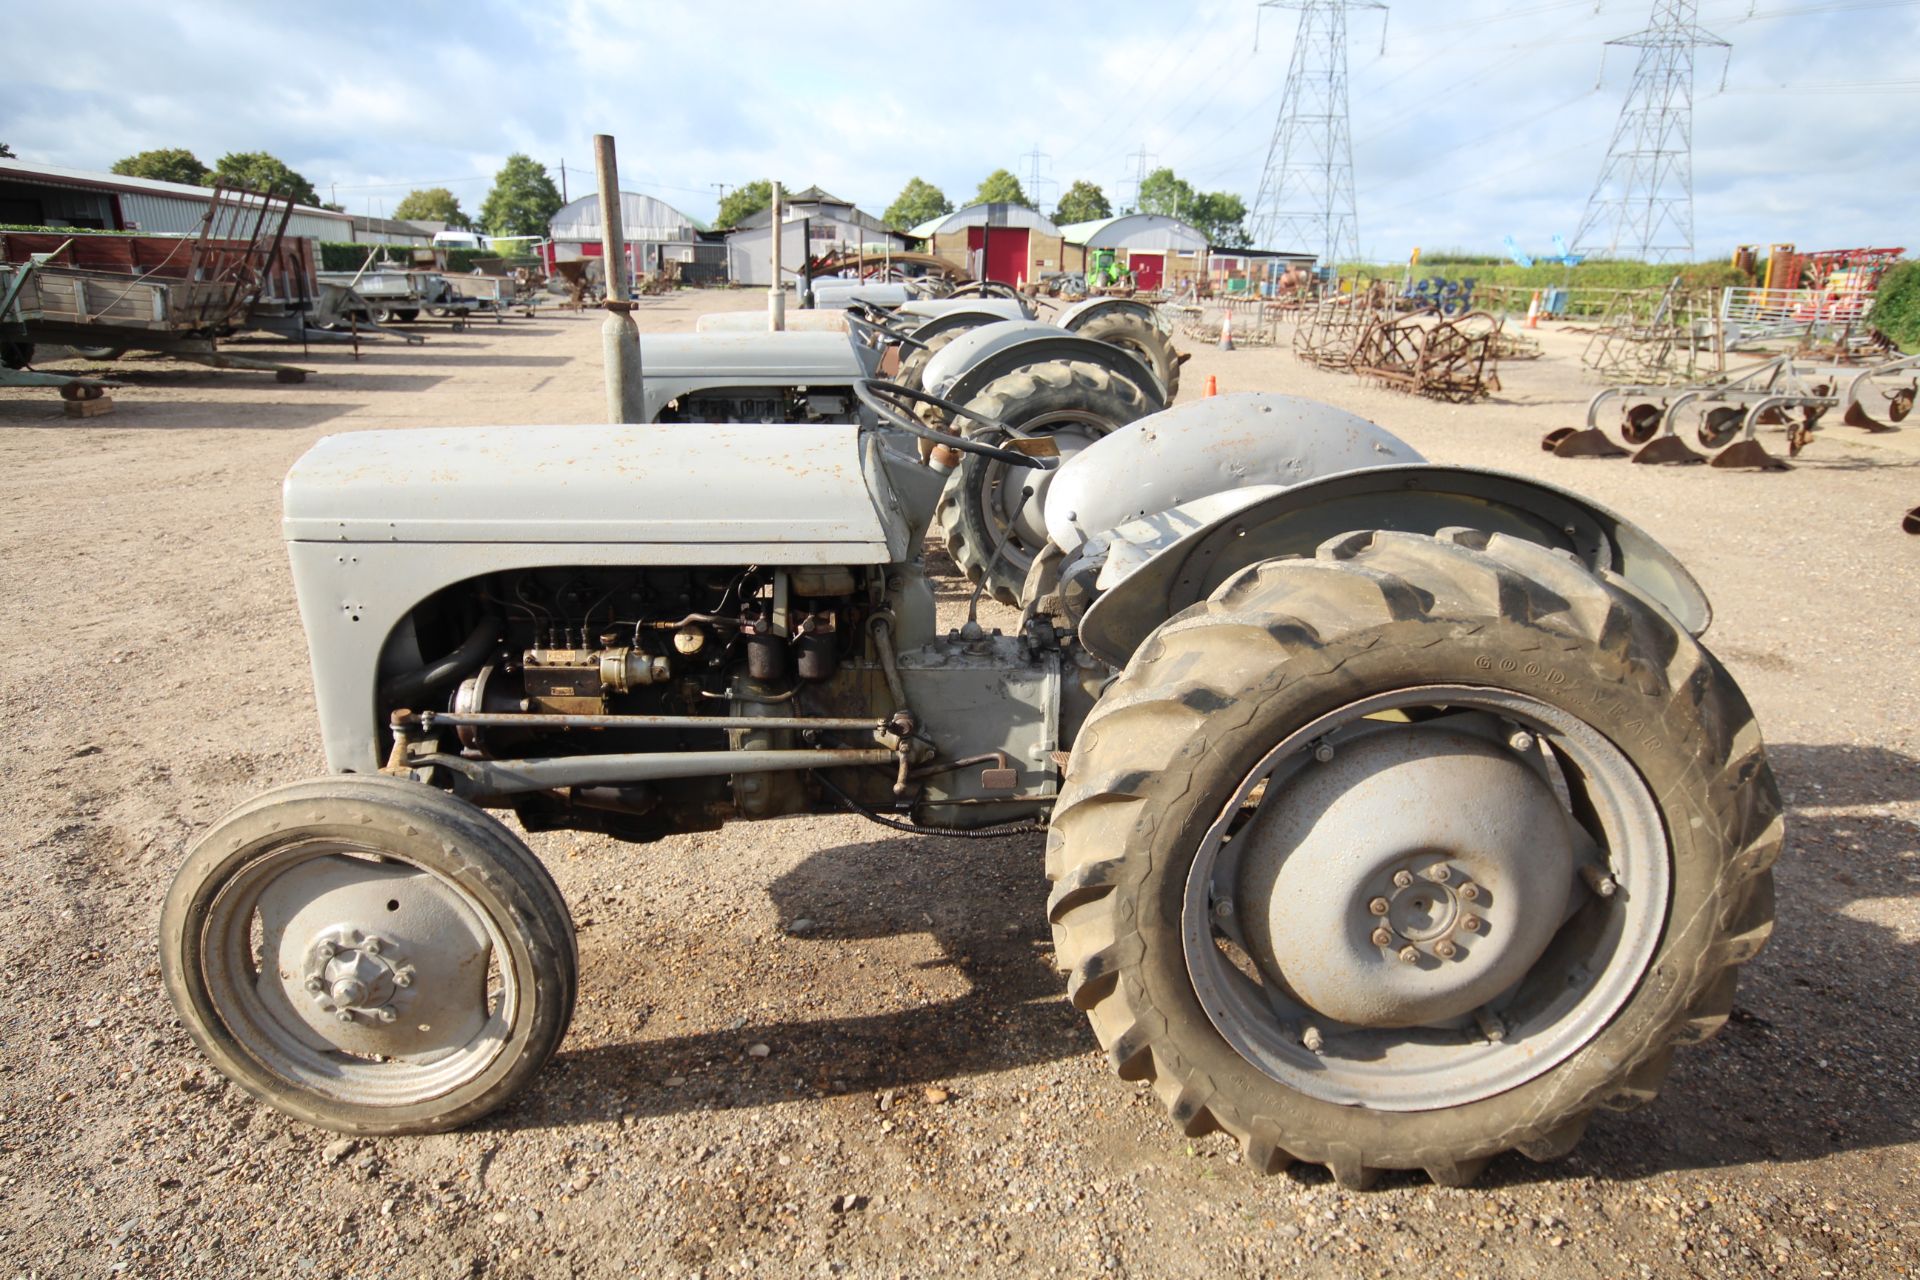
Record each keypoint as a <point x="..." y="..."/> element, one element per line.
<point x="873" y="320"/>
<point x="890" y="402"/>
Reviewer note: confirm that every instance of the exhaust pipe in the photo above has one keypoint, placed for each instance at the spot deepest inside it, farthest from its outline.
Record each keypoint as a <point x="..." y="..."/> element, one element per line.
<point x="619" y="338"/>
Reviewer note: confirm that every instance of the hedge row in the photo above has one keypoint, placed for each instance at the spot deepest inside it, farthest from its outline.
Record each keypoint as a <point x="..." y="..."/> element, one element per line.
<point x="341" y="256"/>
<point x="1896" y="308"/>
<point x="1588" y="275"/>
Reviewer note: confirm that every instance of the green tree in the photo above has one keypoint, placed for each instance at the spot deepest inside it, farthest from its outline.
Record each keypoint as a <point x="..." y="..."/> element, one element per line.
<point x="432" y="204"/>
<point x="1220" y="214"/>
<point x="1083" y="202"/>
<point x="165" y="164"/>
<point x="743" y="202"/>
<point x="258" y="171"/>
<point x="6" y="152"/>
<point x="1223" y="216"/>
<point x="918" y="202"/>
<point x="523" y="200"/>
<point x="1001" y="187"/>
<point x="1162" y="192"/>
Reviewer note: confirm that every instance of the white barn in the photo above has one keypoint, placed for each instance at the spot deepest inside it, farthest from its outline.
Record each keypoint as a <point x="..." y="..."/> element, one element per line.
<point x="51" y="196"/>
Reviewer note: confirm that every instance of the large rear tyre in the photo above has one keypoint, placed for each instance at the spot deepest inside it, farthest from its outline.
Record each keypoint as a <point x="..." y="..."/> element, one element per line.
<point x="992" y="524"/>
<point x="1279" y="821"/>
<point x="1137" y="336"/>
<point x="369" y="955"/>
<point x="913" y="364"/>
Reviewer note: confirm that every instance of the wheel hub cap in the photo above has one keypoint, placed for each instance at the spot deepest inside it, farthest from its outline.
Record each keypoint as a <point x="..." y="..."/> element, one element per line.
<point x="1408" y="879"/>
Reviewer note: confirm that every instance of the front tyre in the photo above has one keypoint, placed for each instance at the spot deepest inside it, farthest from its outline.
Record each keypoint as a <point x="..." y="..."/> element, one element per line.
<point x="369" y="955"/>
<point x="1410" y="854"/>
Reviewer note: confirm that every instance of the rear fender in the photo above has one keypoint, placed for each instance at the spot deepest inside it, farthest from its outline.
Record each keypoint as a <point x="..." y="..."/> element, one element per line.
<point x="1076" y="316"/>
<point x="1176" y="562"/>
<point x="962" y="368"/>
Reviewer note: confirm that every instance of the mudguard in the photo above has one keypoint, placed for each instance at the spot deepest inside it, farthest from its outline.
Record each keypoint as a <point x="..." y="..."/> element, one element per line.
<point x="1155" y="516"/>
<point x="959" y="370"/>
<point x="1076" y="316"/>
<point x="998" y="308"/>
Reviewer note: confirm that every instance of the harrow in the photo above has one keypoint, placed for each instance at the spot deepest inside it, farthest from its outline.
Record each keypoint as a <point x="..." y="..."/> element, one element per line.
<point x="1723" y="418"/>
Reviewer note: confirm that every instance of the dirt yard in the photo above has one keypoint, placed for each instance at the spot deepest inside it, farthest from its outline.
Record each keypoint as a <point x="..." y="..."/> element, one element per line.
<point x="928" y="1102"/>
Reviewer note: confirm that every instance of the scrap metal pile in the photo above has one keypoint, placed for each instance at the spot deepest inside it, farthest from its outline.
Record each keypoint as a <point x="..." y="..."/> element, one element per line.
<point x="1648" y="336"/>
<point x="1422" y="352"/>
<point x="1652" y="423"/>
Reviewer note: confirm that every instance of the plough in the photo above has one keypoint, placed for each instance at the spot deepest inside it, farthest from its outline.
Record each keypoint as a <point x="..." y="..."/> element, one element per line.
<point x="1724" y="417"/>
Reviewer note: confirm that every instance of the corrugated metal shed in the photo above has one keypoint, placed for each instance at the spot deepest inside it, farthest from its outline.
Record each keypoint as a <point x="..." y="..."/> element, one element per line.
<point x="162" y="208"/>
<point x="985" y="215"/>
<point x="1136" y="232"/>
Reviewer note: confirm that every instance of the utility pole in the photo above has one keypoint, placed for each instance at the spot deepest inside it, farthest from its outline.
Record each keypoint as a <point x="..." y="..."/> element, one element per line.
<point x="1035" y="156"/>
<point x="1306" y="191"/>
<point x="563" y="181"/>
<point x="1642" y="204"/>
<point x="720" y="190"/>
<point x="1140" y="174"/>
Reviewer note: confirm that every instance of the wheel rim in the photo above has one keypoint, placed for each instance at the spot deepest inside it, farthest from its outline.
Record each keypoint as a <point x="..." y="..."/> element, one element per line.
<point x="1473" y="1011"/>
<point x="1018" y="517"/>
<point x="357" y="975"/>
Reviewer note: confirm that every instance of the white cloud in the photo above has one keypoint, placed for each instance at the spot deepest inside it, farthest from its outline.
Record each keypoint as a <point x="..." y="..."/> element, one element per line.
<point x="1479" y="120"/>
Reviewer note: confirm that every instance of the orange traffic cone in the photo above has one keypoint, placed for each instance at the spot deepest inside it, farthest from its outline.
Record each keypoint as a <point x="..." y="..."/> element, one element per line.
<point x="1226" y="330"/>
<point x="1533" y="311"/>
<point x="1213" y="385"/>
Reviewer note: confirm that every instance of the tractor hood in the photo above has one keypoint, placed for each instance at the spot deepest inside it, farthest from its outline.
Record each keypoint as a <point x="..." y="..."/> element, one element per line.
<point x="754" y="358"/>
<point x="723" y="493"/>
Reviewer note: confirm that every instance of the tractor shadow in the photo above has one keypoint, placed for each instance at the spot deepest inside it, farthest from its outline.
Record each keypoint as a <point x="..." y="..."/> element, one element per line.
<point x="1816" y="1060"/>
<point x="981" y="900"/>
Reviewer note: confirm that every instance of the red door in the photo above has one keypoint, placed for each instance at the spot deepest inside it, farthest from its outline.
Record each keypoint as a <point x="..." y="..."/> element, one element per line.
<point x="1149" y="269"/>
<point x="1006" y="252"/>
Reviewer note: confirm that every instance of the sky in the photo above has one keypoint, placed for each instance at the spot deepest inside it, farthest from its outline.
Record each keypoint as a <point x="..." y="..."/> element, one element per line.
<point x="1471" y="120"/>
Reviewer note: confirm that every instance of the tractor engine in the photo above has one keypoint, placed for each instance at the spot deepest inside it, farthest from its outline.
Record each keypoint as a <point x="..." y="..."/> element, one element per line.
<point x="590" y="662"/>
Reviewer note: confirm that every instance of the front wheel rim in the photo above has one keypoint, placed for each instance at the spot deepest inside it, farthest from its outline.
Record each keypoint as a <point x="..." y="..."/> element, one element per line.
<point x="280" y="986"/>
<point x="1589" y="969"/>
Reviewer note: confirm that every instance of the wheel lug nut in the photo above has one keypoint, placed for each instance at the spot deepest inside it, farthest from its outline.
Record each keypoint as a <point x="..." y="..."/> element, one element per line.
<point x="1378" y="906"/>
<point x="1312" y="1041"/>
<point x="385" y="1013"/>
<point x="371" y="946"/>
<point x="1521" y="741"/>
<point x="1402" y="879"/>
<point x="1323" y="752"/>
<point x="1224" y="908"/>
<point x="1445" y="949"/>
<point x="1383" y="937"/>
<point x="315" y="985"/>
<point x="328" y="951"/>
<point x="1440" y="873"/>
<point x="1470" y="891"/>
<point x="1410" y="954"/>
<point x="1470" y="923"/>
<point x="403" y="978"/>
<point x="344" y="1016"/>
<point x="1600" y="882"/>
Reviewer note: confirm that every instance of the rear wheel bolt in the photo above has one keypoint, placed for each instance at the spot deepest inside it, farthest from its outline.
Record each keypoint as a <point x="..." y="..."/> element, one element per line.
<point x="1383" y="937"/>
<point x="315" y="985"/>
<point x="1323" y="753"/>
<point x="344" y="1016"/>
<point x="1410" y="954"/>
<point x="1521" y="741"/>
<point x="1599" y="881"/>
<point x="1312" y="1040"/>
<point x="1445" y="949"/>
<point x="1402" y="879"/>
<point x="1378" y="906"/>
<point x="1470" y="923"/>
<point x="1470" y="891"/>
<point x="1440" y="873"/>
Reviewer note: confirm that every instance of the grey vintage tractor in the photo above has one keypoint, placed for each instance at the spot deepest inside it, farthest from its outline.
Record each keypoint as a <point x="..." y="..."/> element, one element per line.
<point x="1395" y="815"/>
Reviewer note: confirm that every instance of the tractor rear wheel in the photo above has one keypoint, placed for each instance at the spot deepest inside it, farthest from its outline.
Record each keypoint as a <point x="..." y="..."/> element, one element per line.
<point x="369" y="955"/>
<point x="913" y="365"/>
<point x="1411" y="853"/>
<point x="992" y="523"/>
<point x="1137" y="336"/>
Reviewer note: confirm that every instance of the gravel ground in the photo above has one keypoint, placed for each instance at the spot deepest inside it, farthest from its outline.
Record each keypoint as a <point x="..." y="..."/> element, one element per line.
<point x="812" y="1046"/>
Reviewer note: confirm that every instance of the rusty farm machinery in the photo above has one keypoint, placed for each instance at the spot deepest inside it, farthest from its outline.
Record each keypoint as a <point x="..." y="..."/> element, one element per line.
<point x="1423" y="352"/>
<point x="1652" y="424"/>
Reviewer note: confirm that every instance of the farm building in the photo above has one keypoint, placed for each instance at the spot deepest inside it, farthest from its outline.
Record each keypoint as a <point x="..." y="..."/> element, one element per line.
<point x="655" y="232"/>
<point x="1162" y="252"/>
<point x="1253" y="270"/>
<point x="39" y="195"/>
<point x="814" y="223"/>
<point x="390" y="231"/>
<point x="1006" y="242"/>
